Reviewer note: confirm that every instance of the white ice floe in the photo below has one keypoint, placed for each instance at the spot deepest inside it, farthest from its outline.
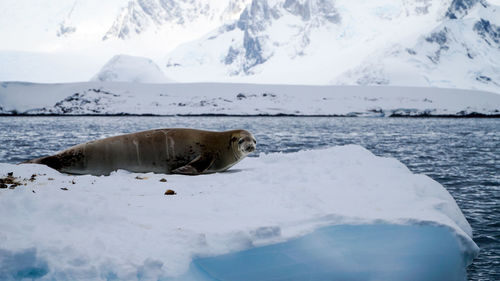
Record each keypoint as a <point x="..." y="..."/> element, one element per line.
<point x="123" y="226"/>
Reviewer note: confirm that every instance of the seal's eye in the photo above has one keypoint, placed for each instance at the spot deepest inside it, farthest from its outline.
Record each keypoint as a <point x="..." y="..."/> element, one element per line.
<point x="241" y="141"/>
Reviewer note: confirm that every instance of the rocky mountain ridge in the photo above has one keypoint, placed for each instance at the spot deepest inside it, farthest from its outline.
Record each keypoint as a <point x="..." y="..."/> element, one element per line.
<point x="140" y="15"/>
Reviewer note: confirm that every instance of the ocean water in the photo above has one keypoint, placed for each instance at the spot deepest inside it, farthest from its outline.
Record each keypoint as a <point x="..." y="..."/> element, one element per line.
<point x="461" y="154"/>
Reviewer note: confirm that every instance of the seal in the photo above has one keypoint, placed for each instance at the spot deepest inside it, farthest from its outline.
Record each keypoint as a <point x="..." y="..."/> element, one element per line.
<point x="168" y="151"/>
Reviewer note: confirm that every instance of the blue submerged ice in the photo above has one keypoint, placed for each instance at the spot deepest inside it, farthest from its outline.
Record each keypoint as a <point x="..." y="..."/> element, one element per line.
<point x="345" y="252"/>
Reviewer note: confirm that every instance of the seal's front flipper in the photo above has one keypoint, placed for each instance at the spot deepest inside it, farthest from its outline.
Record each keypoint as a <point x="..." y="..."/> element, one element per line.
<point x="199" y="165"/>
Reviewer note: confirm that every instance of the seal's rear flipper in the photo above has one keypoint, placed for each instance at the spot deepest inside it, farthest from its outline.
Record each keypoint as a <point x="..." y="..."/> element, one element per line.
<point x="199" y="165"/>
<point x="51" y="161"/>
<point x="33" y="161"/>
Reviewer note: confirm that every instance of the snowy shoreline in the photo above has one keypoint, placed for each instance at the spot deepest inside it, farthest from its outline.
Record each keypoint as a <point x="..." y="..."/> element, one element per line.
<point x="228" y="99"/>
<point x="423" y="115"/>
<point x="123" y="224"/>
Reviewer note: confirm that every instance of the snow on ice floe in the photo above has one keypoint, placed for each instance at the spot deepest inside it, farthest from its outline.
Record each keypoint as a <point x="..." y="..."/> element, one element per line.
<point x="64" y="227"/>
<point x="108" y="98"/>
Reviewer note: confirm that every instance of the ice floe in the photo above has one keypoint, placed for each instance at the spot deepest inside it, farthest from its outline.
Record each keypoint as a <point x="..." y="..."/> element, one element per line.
<point x="124" y="226"/>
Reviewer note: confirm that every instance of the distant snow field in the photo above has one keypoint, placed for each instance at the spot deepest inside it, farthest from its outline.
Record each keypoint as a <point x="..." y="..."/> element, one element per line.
<point x="122" y="226"/>
<point x="107" y="98"/>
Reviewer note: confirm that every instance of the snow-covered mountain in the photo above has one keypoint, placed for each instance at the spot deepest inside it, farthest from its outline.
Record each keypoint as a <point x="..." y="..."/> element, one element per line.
<point x="463" y="51"/>
<point x="438" y="43"/>
<point x="123" y="68"/>
<point x="142" y="15"/>
<point x="58" y="25"/>
<point x="418" y="43"/>
<point x="41" y="40"/>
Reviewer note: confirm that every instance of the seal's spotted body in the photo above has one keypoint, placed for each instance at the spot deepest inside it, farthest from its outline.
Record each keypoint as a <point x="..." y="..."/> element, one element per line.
<point x="183" y="151"/>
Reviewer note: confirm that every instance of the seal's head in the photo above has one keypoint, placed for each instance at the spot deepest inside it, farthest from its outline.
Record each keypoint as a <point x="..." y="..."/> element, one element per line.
<point x="243" y="142"/>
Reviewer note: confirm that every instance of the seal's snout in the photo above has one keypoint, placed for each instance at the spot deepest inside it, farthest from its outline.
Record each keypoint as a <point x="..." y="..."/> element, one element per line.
<point x="247" y="144"/>
<point x="250" y="148"/>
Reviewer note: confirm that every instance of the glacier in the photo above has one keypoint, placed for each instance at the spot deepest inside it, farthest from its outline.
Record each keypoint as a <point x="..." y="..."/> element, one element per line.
<point x="335" y="212"/>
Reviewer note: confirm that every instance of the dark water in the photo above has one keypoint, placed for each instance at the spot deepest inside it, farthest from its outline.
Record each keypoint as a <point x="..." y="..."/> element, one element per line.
<point x="462" y="154"/>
